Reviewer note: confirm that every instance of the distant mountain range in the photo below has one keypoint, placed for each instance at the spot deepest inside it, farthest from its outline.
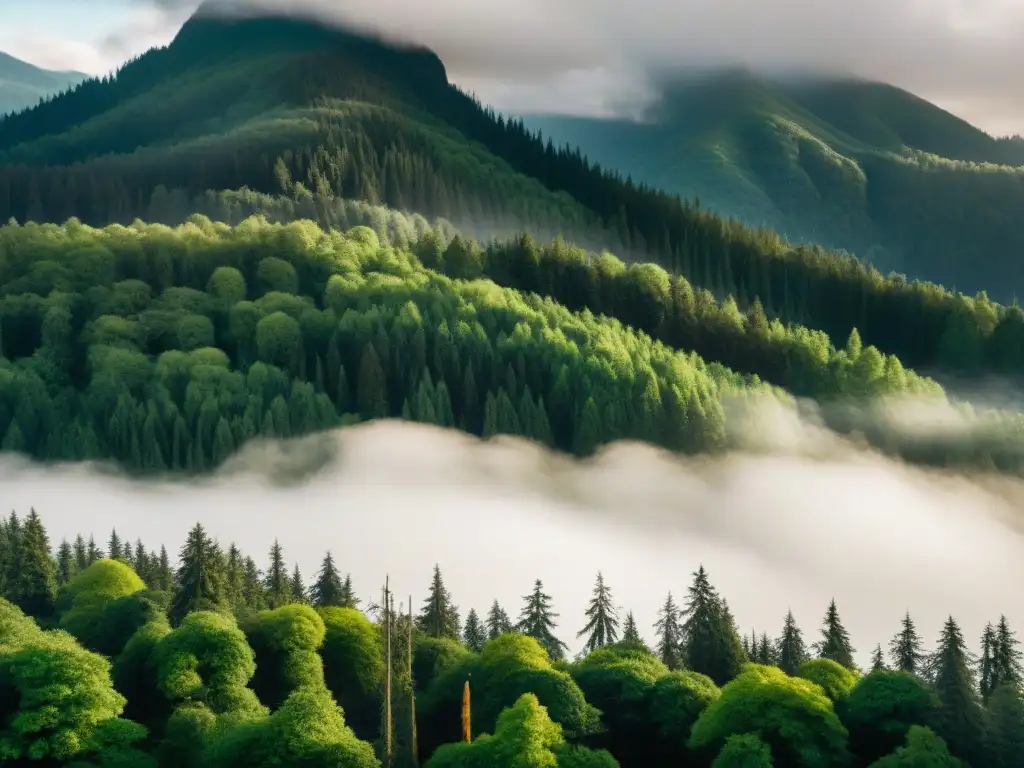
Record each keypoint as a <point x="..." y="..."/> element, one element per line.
<point x="23" y="85"/>
<point x="849" y="164"/>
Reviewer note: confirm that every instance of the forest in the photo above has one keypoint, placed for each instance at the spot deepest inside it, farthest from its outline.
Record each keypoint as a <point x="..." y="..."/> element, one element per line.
<point x="113" y="655"/>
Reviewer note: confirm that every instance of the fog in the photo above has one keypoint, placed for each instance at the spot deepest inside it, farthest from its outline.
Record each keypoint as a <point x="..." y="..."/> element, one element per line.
<point x="790" y="519"/>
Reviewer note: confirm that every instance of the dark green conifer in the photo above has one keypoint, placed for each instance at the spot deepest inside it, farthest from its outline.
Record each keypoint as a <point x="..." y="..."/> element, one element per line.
<point x="11" y="555"/>
<point x="498" y="622"/>
<point x="234" y="577"/>
<point x="1006" y="657"/>
<point x="348" y="594"/>
<point x="630" y="632"/>
<point x="65" y="563"/>
<point x="164" y="576"/>
<point x="790" y="646"/>
<point x="34" y="588"/>
<point x="114" y="551"/>
<point x="473" y="634"/>
<point x="602" y="625"/>
<point x="253" y="589"/>
<point x="835" y="640"/>
<point x="986" y="665"/>
<point x="298" y="586"/>
<point x="328" y="589"/>
<point x="438" y="617"/>
<point x="198" y="583"/>
<point x="1005" y="742"/>
<point x="276" y="581"/>
<point x="669" y="635"/>
<point x="877" y="659"/>
<point x="81" y="555"/>
<point x="905" y="648"/>
<point x="93" y="552"/>
<point x="961" y="718"/>
<point x="710" y="643"/>
<point x="537" y="620"/>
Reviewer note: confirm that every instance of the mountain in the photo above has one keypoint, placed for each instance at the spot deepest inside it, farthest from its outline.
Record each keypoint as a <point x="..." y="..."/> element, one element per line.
<point x="850" y="164"/>
<point x="307" y="115"/>
<point x="24" y="85"/>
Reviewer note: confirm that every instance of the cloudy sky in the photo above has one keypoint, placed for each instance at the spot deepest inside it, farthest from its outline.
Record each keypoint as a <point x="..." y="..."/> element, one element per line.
<point x="587" y="55"/>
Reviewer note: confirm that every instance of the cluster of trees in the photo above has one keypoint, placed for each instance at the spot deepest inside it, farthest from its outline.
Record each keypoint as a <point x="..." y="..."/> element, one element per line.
<point x="219" y="663"/>
<point x="435" y="150"/>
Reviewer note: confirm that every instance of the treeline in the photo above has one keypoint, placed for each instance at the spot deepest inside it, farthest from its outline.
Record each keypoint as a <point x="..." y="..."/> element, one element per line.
<point x="219" y="662"/>
<point x="166" y="350"/>
<point x="407" y="160"/>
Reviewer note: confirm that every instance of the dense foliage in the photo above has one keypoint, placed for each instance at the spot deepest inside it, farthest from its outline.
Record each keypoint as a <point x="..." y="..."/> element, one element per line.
<point x="313" y="680"/>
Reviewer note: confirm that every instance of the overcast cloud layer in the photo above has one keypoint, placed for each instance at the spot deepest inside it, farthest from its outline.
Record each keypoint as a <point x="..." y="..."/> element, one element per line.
<point x="795" y="519"/>
<point x="589" y="55"/>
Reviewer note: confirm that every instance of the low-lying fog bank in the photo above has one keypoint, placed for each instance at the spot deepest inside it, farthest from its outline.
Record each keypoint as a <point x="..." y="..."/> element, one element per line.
<point x="797" y="519"/>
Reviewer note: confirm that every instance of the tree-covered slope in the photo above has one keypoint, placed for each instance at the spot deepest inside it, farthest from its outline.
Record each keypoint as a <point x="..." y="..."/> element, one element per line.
<point x="24" y="85"/>
<point x="856" y="165"/>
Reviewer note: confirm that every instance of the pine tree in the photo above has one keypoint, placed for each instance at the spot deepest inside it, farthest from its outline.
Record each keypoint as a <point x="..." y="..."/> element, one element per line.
<point x="669" y="634"/>
<point x="1006" y="657"/>
<point x="253" y="590"/>
<point x="234" y="578"/>
<point x="81" y="555"/>
<point x="961" y="718"/>
<point x="710" y="643"/>
<point x="297" y="586"/>
<point x="114" y="546"/>
<point x="877" y="659"/>
<point x="835" y="640"/>
<point x="93" y="552"/>
<point x="1006" y="727"/>
<point x="198" y="583"/>
<point x="473" y="634"/>
<point x="34" y="589"/>
<point x="348" y="594"/>
<point x="791" y="650"/>
<point x="986" y="665"/>
<point x="537" y="620"/>
<point x="11" y="560"/>
<point x="65" y="563"/>
<point x="278" y="584"/>
<point x="328" y="588"/>
<point x="765" y="652"/>
<point x="140" y="560"/>
<point x="498" y="622"/>
<point x="602" y="618"/>
<point x="631" y="634"/>
<point x="164" y="576"/>
<point x="905" y="648"/>
<point x="438" y="617"/>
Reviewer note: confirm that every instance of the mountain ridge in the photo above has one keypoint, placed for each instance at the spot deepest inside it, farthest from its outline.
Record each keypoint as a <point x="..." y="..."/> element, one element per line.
<point x="23" y="84"/>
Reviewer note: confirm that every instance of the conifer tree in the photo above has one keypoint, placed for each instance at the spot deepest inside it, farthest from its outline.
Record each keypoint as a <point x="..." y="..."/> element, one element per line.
<point x="710" y="643"/>
<point x="961" y="718"/>
<point x="114" y="551"/>
<point x="537" y="620"/>
<point x="438" y="617"/>
<point x="602" y="625"/>
<point x="164" y="576"/>
<point x="630" y="632"/>
<point x="297" y="586"/>
<point x="234" y="577"/>
<point x="669" y="636"/>
<point x="328" y="588"/>
<point x="1006" y="727"/>
<point x="277" y="582"/>
<point x="498" y="622"/>
<point x="65" y="563"/>
<point x="348" y="594"/>
<point x="905" y="648"/>
<point x="93" y="552"/>
<point x="11" y="555"/>
<point x="253" y="590"/>
<point x="198" y="583"/>
<point x="765" y="652"/>
<point x="877" y="659"/>
<point x="473" y="634"/>
<point x="986" y="664"/>
<point x="1006" y="657"/>
<point x="791" y="650"/>
<point x="141" y="562"/>
<point x="81" y="555"/>
<point x="835" y="640"/>
<point x="34" y="589"/>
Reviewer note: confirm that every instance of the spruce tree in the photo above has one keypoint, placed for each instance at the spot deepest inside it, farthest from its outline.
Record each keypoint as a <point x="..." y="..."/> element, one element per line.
<point x="602" y="625"/>
<point x="234" y="578"/>
<point x="473" y="634"/>
<point x="498" y="622"/>
<point x="765" y="652"/>
<point x="1006" y="657"/>
<point x="328" y="588"/>
<point x="438" y="617"/>
<point x="631" y="634"/>
<point x="669" y="638"/>
<point x="198" y="583"/>
<point x="348" y="594"/>
<point x="65" y="563"/>
<point x="35" y="587"/>
<point x="297" y="586"/>
<point x="905" y="648"/>
<point x="253" y="590"/>
<point x="986" y="664"/>
<point x="1005" y="743"/>
<point x="835" y="640"/>
<point x="278" y="584"/>
<point x="81" y="555"/>
<point x="141" y="562"/>
<point x="537" y="620"/>
<point x="791" y="650"/>
<point x="11" y="561"/>
<point x="877" y="659"/>
<point x="93" y="552"/>
<point x="710" y="643"/>
<point x="164" y="576"/>
<point x="961" y="718"/>
<point x="114" y="551"/>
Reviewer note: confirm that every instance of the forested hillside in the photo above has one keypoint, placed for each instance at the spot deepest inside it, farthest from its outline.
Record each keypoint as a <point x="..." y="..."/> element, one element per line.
<point x="111" y="654"/>
<point x="854" y="165"/>
<point x="288" y="107"/>
<point x="23" y="85"/>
